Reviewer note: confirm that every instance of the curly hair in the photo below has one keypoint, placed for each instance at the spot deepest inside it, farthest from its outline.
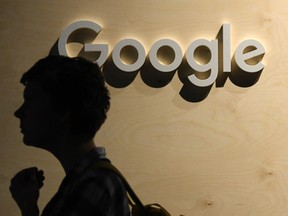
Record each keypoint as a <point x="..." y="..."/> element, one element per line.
<point x="77" y="86"/>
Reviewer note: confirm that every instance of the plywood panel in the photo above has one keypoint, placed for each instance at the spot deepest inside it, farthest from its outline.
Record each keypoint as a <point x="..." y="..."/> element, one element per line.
<point x="226" y="155"/>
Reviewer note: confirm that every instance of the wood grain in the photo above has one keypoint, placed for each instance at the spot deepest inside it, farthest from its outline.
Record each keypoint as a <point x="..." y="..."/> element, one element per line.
<point x="226" y="155"/>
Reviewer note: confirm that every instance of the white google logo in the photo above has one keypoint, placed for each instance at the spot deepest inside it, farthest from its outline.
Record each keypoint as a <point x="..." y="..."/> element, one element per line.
<point x="245" y="52"/>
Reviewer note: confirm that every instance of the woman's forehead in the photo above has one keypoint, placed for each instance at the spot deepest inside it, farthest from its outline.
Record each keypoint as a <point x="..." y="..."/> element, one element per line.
<point x="35" y="89"/>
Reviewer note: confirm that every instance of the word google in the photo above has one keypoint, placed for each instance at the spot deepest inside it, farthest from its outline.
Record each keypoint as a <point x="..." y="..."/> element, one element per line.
<point x="219" y="54"/>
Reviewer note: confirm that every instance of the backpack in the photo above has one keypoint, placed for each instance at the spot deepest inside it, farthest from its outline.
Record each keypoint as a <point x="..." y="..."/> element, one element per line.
<point x="137" y="208"/>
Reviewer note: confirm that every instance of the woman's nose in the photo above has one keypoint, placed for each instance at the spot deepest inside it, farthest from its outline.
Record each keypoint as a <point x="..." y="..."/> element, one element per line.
<point x="19" y="112"/>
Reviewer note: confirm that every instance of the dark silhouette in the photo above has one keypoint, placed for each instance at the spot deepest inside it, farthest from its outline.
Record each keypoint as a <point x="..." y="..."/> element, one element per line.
<point x="65" y="104"/>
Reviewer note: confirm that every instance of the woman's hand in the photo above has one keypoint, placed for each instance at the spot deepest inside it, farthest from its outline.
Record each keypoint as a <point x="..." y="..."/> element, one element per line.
<point x="25" y="187"/>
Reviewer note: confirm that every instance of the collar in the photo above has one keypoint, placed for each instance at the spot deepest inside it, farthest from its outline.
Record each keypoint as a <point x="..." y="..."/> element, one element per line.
<point x="97" y="153"/>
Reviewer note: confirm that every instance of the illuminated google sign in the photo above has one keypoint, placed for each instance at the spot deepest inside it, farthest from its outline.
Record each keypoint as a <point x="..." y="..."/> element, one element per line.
<point x="197" y="77"/>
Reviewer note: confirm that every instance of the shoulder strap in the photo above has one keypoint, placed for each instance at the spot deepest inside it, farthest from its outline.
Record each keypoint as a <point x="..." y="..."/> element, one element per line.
<point x="133" y="198"/>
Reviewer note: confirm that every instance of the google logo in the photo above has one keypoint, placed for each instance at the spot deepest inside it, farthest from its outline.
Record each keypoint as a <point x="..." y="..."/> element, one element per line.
<point x="203" y="63"/>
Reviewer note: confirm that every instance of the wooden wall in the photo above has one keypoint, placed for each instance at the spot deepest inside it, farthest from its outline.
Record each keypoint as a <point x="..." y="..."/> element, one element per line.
<point x="224" y="156"/>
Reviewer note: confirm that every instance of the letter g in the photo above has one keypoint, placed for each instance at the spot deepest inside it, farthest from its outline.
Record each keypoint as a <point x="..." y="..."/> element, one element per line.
<point x="83" y="24"/>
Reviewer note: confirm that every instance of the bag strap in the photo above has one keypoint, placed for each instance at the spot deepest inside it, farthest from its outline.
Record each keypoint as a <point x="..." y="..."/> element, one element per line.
<point x="106" y="164"/>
